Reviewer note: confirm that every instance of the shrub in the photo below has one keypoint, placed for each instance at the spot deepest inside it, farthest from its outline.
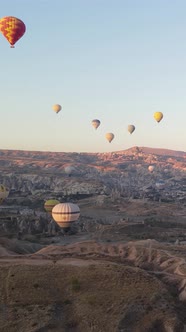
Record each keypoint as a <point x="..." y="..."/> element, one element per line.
<point x="75" y="284"/>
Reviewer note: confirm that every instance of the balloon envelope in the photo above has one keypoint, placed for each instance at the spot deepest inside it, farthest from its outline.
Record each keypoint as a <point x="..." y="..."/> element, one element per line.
<point x="158" y="116"/>
<point x="69" y="170"/>
<point x="12" y="29"/>
<point x="151" y="168"/>
<point x="96" y="123"/>
<point x="160" y="184"/>
<point x="65" y="214"/>
<point x="109" y="137"/>
<point x="49" y="204"/>
<point x="131" y="128"/>
<point x="4" y="192"/>
<point x="56" y="108"/>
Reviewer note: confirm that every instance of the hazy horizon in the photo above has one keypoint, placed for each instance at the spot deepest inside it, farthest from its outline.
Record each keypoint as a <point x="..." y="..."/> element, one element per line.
<point x="88" y="152"/>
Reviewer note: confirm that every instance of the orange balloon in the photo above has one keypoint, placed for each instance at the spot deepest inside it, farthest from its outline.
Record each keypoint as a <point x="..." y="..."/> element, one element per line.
<point x="12" y="29"/>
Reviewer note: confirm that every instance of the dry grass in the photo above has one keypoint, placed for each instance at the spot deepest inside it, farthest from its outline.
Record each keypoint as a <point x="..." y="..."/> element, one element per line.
<point x="96" y="297"/>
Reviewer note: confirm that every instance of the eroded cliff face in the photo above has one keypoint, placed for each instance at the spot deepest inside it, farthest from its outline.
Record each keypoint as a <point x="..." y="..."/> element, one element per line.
<point x="123" y="173"/>
<point x="33" y="184"/>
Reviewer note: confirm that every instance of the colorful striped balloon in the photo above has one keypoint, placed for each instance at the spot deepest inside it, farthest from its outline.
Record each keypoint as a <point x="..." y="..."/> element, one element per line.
<point x="12" y="29"/>
<point x="49" y="204"/>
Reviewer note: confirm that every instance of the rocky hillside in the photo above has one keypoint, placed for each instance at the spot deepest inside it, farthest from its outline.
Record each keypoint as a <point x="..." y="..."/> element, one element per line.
<point x="94" y="287"/>
<point x="40" y="175"/>
<point x="120" y="268"/>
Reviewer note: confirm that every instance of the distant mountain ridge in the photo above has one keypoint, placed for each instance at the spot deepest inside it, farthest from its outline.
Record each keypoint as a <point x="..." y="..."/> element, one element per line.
<point x="134" y="149"/>
<point x="156" y="151"/>
<point x="164" y="151"/>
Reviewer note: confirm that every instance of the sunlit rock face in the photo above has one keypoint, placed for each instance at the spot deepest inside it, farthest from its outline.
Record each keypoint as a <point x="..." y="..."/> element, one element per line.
<point x="123" y="173"/>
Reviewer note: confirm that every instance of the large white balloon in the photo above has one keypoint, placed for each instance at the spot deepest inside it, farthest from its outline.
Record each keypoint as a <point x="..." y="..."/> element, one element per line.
<point x="65" y="214"/>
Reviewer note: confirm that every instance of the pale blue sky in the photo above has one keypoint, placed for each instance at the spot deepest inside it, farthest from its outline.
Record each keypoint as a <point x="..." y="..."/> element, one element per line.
<point x="115" y="60"/>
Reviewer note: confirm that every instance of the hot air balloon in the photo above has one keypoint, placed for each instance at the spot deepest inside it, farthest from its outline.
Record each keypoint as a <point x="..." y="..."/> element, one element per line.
<point x="65" y="214"/>
<point x="160" y="184"/>
<point x="49" y="204"/>
<point x="4" y="192"/>
<point x="158" y="116"/>
<point x="109" y="137"/>
<point x="131" y="128"/>
<point x="56" y="108"/>
<point x="12" y="29"/>
<point x="151" y="168"/>
<point x="69" y="170"/>
<point x="96" y="123"/>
